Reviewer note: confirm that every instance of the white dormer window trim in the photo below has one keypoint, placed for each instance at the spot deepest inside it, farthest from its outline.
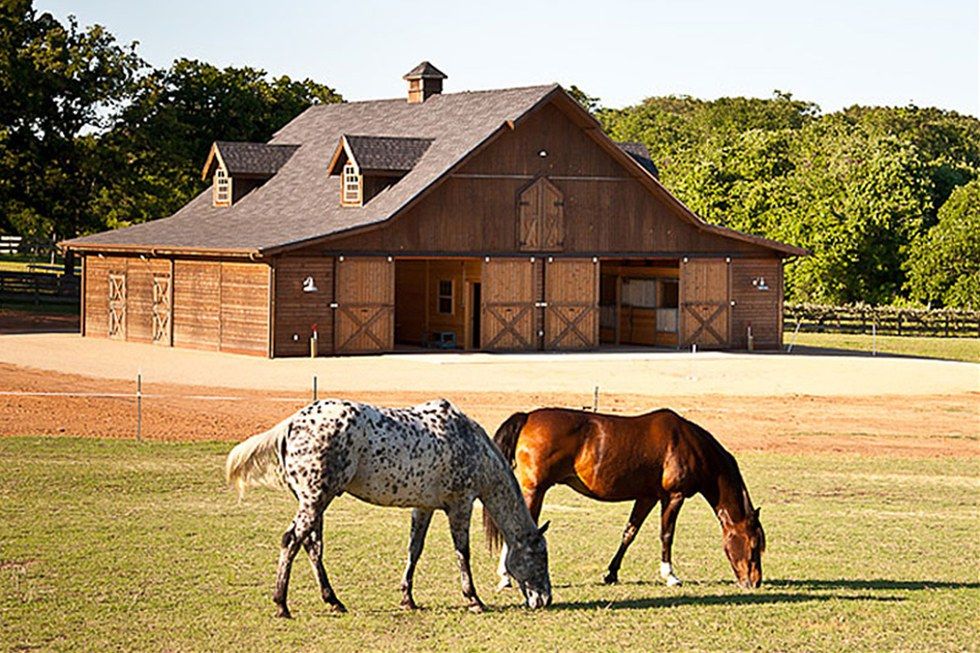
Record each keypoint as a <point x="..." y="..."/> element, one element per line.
<point x="221" y="188"/>
<point x="352" y="185"/>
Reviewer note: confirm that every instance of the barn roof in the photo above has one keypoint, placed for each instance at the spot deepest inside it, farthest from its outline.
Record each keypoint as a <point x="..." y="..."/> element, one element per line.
<point x="299" y="204"/>
<point x="381" y="153"/>
<point x="640" y="154"/>
<point x="249" y="159"/>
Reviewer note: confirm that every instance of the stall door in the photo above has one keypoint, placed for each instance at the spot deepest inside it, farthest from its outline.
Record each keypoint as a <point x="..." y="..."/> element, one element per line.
<point x="705" y="303"/>
<point x="365" y="305"/>
<point x="571" y="314"/>
<point x="162" y="301"/>
<point x="117" y="305"/>
<point x="510" y="305"/>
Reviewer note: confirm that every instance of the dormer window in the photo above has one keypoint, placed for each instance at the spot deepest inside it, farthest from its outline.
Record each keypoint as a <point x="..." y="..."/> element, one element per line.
<point x="221" y="188"/>
<point x="370" y="165"/>
<point x="351" y="193"/>
<point x="236" y="169"/>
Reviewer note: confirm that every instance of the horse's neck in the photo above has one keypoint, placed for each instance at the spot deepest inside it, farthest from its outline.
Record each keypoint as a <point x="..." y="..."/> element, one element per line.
<point x="728" y="494"/>
<point x="505" y="504"/>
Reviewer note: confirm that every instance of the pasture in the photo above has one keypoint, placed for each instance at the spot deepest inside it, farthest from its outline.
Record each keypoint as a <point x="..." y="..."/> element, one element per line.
<point x="115" y="545"/>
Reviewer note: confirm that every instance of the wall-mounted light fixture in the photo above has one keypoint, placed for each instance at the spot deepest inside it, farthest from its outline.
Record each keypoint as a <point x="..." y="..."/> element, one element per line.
<point x="760" y="283"/>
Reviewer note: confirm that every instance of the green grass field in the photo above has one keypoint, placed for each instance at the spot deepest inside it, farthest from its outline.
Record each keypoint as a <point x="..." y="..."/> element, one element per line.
<point x="111" y="545"/>
<point x="956" y="349"/>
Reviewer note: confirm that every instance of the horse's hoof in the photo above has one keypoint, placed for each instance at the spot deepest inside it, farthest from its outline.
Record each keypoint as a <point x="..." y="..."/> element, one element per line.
<point x="503" y="584"/>
<point x="673" y="581"/>
<point x="336" y="606"/>
<point x="409" y="605"/>
<point x="476" y="608"/>
<point x="283" y="613"/>
<point x="611" y="579"/>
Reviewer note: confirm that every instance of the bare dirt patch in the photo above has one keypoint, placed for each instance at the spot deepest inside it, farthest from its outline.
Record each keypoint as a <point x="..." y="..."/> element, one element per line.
<point x="931" y="425"/>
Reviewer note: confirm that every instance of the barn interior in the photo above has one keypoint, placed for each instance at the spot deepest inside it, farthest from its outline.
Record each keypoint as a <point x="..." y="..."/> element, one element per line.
<point x="437" y="303"/>
<point x="639" y="302"/>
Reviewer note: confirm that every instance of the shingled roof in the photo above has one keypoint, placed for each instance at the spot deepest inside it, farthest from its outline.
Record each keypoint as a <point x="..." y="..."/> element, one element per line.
<point x="425" y="70"/>
<point x="299" y="203"/>
<point x="383" y="153"/>
<point x="640" y="154"/>
<point x="249" y="159"/>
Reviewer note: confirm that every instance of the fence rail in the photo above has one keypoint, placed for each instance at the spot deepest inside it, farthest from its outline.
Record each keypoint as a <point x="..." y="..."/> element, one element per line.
<point x="39" y="286"/>
<point x="885" y="320"/>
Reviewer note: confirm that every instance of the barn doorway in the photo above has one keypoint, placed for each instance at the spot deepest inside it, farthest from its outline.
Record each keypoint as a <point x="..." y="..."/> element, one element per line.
<point x="639" y="302"/>
<point x="437" y="303"/>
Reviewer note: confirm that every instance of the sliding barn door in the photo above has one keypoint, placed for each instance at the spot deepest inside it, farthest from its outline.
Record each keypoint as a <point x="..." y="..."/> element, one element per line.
<point x="365" y="298"/>
<point x="571" y="314"/>
<point x="510" y="292"/>
<point x="705" y="303"/>
<point x="117" y="305"/>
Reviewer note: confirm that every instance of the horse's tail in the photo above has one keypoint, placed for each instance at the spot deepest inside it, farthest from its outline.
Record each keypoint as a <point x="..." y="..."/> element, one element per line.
<point x="258" y="460"/>
<point x="506" y="440"/>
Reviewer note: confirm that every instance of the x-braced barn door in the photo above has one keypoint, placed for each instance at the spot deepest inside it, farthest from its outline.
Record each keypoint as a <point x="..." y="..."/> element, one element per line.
<point x="541" y="217"/>
<point x="162" y="309"/>
<point x="510" y="292"/>
<point x="364" y="300"/>
<point x="571" y="314"/>
<point x="117" y="305"/>
<point x="705" y="303"/>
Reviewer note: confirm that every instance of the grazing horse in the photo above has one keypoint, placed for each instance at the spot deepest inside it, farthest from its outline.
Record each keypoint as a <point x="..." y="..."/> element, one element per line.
<point x="428" y="457"/>
<point x="656" y="457"/>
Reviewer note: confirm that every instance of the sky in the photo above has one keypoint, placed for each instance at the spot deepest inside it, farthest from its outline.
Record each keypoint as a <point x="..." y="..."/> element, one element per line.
<point x="832" y="52"/>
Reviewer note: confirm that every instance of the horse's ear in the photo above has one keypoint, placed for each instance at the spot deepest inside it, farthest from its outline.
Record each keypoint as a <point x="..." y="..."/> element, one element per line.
<point x="541" y="531"/>
<point x="757" y="511"/>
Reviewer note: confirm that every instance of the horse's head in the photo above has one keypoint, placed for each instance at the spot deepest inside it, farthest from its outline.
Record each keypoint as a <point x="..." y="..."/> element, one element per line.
<point x="745" y="542"/>
<point x="527" y="563"/>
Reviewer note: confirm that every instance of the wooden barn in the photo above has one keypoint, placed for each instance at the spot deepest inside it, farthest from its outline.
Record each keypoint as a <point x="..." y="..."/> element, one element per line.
<point x="501" y="220"/>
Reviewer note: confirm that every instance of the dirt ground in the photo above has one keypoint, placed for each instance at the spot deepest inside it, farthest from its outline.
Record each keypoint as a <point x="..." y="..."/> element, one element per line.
<point x="929" y="425"/>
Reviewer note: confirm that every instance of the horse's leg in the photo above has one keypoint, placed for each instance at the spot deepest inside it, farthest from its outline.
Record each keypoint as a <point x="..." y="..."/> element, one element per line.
<point x="420" y="526"/>
<point x="314" y="549"/>
<point x="307" y="515"/>
<point x="459" y="526"/>
<point x="638" y="515"/>
<point x="669" y="509"/>
<point x="534" y="500"/>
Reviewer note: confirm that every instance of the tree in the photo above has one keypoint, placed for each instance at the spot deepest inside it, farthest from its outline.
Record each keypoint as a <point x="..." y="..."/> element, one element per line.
<point x="944" y="263"/>
<point x="163" y="137"/>
<point x="60" y="88"/>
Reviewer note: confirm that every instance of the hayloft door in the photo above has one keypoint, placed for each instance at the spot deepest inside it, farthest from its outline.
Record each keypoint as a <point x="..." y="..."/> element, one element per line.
<point x="510" y="306"/>
<point x="571" y="314"/>
<point x="705" y="303"/>
<point x="541" y="217"/>
<point x="117" y="305"/>
<point x="365" y="305"/>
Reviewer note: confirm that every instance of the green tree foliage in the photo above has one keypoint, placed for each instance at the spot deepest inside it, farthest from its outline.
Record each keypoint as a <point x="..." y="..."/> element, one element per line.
<point x="944" y="263"/>
<point x="164" y="135"/>
<point x="61" y="87"/>
<point x="855" y="187"/>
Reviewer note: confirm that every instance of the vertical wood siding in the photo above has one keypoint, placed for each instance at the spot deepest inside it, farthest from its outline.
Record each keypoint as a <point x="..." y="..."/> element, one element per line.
<point x="762" y="309"/>
<point x="296" y="311"/>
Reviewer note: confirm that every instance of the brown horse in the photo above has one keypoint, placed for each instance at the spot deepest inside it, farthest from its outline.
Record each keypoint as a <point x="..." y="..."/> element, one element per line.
<point x="656" y="457"/>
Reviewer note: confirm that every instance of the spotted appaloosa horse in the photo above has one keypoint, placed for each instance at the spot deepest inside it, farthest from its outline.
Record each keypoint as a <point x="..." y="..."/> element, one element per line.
<point x="656" y="457"/>
<point x="428" y="457"/>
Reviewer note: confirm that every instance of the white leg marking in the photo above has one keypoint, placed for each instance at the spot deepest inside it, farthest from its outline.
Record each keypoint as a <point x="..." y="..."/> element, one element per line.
<point x="502" y="570"/>
<point x="667" y="573"/>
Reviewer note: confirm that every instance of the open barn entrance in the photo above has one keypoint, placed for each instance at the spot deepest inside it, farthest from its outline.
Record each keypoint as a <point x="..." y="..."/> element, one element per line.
<point x="437" y="303"/>
<point x="639" y="302"/>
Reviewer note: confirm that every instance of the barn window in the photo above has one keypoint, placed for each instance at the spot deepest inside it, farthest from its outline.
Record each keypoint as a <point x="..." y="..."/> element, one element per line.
<point x="221" y="190"/>
<point x="350" y="192"/>
<point x="445" y="299"/>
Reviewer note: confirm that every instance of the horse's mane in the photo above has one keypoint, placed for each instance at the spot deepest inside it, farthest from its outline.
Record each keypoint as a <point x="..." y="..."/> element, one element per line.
<point x="729" y="464"/>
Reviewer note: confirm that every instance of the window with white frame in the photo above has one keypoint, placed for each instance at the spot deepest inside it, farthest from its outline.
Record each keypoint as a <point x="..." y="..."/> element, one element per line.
<point x="445" y="298"/>
<point x="221" y="191"/>
<point x="350" y="192"/>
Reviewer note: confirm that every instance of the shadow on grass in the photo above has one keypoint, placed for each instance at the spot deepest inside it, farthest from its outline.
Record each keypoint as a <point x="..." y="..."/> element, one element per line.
<point x="757" y="598"/>
<point x="873" y="584"/>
